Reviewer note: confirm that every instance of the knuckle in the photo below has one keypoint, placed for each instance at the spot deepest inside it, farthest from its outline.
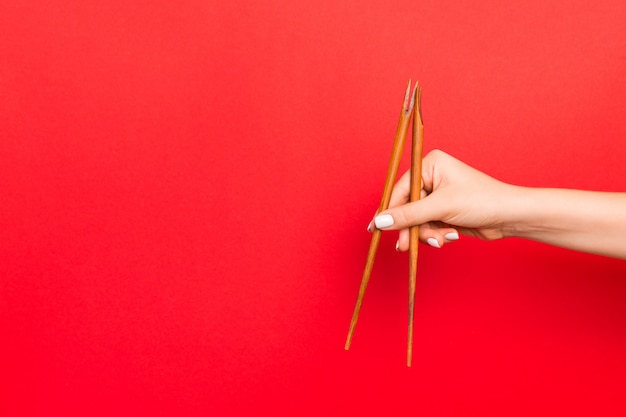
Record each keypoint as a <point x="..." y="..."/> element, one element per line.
<point x="437" y="153"/>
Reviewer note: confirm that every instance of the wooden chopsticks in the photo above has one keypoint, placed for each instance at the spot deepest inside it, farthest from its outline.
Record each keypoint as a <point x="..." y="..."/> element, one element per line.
<point x="409" y="109"/>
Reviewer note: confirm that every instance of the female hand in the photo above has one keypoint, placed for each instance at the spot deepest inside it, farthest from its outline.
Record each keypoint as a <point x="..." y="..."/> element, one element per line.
<point x="455" y="198"/>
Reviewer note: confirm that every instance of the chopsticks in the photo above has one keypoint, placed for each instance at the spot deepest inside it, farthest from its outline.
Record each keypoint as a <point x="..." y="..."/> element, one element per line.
<point x="409" y="109"/>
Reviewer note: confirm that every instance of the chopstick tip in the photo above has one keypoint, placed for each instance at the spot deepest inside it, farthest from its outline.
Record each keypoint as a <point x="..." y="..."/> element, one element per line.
<point x="406" y="105"/>
<point x="413" y="97"/>
<point x="419" y="104"/>
<point x="409" y="103"/>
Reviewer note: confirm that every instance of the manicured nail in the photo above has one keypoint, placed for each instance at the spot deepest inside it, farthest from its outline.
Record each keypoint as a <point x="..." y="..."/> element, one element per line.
<point x="369" y="227"/>
<point x="452" y="236"/>
<point x="398" y="246"/>
<point x="433" y="242"/>
<point x="384" y="220"/>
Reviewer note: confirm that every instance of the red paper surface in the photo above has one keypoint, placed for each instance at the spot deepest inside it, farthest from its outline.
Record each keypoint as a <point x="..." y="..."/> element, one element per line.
<point x="185" y="188"/>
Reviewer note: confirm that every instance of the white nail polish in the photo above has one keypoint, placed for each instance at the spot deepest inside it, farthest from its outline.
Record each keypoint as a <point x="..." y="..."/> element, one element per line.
<point x="452" y="236"/>
<point x="384" y="220"/>
<point x="433" y="242"/>
<point x="398" y="246"/>
<point x="369" y="227"/>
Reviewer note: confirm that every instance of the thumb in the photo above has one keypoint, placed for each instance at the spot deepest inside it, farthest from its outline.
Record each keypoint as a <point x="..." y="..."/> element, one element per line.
<point x="410" y="214"/>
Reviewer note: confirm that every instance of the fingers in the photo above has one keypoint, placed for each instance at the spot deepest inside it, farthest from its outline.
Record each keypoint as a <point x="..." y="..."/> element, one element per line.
<point x="402" y="214"/>
<point x="401" y="190"/>
<point x="399" y="194"/>
<point x="436" y="237"/>
<point x="410" y="214"/>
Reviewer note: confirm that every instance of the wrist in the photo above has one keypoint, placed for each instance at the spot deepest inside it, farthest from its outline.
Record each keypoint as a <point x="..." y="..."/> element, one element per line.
<point x="520" y="212"/>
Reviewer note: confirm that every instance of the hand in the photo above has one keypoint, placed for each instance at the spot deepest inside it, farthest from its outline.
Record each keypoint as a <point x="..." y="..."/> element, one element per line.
<point x="455" y="198"/>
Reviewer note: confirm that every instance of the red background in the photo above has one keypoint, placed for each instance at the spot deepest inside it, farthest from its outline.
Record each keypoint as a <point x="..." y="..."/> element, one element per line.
<point x="185" y="188"/>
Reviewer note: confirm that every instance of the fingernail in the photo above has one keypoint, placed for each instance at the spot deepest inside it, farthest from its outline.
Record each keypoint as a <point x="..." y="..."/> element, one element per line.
<point x="433" y="242"/>
<point x="384" y="220"/>
<point x="398" y="246"/>
<point x="369" y="227"/>
<point x="452" y="236"/>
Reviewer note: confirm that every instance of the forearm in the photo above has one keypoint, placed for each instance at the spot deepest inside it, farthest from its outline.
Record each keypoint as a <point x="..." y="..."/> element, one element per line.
<point x="586" y="221"/>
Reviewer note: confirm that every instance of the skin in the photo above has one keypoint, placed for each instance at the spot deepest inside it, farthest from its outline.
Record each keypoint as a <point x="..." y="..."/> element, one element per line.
<point x="457" y="198"/>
